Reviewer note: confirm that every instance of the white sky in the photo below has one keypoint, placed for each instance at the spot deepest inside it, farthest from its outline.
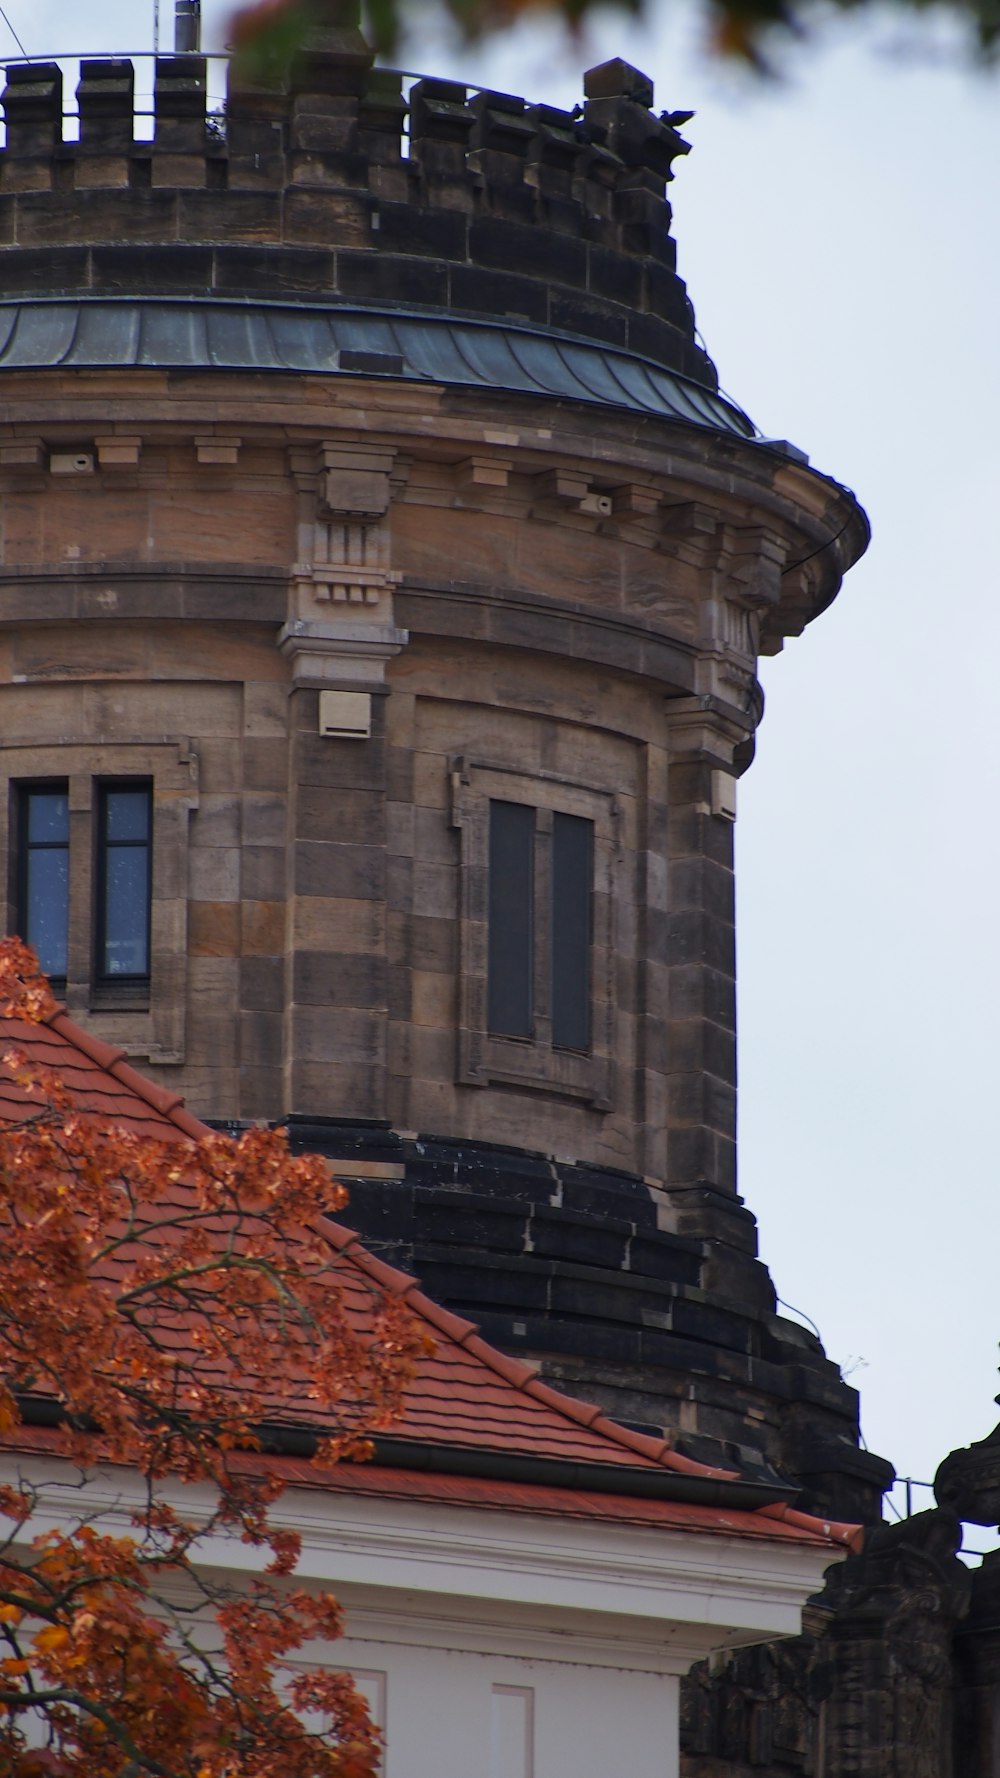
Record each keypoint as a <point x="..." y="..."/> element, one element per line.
<point x="838" y="232"/>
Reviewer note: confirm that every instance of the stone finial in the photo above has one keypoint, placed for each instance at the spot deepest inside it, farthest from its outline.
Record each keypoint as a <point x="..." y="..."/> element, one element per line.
<point x="618" y="80"/>
<point x="636" y="136"/>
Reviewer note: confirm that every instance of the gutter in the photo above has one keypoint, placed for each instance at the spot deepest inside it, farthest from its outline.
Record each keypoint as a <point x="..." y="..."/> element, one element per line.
<point x="652" y="1483"/>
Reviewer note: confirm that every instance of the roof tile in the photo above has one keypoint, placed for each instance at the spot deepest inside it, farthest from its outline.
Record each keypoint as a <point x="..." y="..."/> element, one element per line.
<point x="464" y="1394"/>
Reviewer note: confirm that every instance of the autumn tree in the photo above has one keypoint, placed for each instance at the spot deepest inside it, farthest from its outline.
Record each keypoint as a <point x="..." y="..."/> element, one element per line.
<point x="267" y="33"/>
<point x="162" y="1304"/>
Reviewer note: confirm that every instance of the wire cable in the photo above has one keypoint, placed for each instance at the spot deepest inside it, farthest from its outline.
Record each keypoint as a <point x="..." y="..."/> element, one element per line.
<point x="13" y="33"/>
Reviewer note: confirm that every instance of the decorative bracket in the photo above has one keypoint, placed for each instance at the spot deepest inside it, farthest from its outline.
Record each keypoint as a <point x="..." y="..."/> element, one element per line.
<point x="346" y="490"/>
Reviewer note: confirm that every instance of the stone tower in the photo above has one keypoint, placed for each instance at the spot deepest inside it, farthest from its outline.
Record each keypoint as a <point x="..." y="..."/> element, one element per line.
<point x="383" y="583"/>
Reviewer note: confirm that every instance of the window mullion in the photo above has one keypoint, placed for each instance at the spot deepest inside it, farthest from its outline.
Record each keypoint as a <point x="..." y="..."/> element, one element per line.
<point x="81" y="889"/>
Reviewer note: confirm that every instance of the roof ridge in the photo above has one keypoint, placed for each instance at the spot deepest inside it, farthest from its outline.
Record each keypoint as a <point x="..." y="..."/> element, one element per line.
<point x="851" y="1535"/>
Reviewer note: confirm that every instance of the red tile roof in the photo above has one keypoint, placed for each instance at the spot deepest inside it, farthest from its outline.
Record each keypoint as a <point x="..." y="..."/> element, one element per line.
<point x="98" y="1076"/>
<point x="466" y="1399"/>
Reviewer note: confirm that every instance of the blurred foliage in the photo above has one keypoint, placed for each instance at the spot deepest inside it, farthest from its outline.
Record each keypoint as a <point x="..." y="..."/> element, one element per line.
<point x="267" y="35"/>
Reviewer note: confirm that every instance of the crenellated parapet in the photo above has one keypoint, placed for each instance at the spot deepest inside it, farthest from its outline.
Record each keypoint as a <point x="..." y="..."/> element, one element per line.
<point x="423" y="195"/>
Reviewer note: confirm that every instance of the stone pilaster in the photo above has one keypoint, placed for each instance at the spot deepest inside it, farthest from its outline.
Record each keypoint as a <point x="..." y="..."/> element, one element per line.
<point x="340" y="636"/>
<point x="700" y="946"/>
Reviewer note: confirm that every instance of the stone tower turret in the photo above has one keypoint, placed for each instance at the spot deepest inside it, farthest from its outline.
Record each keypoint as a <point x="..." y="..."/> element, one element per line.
<point x="382" y="586"/>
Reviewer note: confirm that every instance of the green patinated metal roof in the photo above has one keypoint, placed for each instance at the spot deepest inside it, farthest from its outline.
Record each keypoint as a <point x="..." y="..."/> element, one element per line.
<point x="204" y="333"/>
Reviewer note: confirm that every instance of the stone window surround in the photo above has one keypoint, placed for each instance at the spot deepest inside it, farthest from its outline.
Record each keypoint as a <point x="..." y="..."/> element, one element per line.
<point x="484" y="1059"/>
<point x="152" y="1027"/>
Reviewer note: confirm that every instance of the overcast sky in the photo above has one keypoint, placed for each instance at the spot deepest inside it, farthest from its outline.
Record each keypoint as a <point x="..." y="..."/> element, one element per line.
<point x="839" y="235"/>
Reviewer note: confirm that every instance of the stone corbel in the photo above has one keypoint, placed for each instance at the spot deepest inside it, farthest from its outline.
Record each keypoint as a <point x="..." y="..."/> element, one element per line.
<point x="340" y="656"/>
<point x="635" y="513"/>
<point x="705" y="730"/>
<point x="481" y="471"/>
<point x="753" y="562"/>
<point x="714" y="729"/>
<point x="118" y="451"/>
<point x="800" y="594"/>
<point x="566" y="490"/>
<point x="23" y="453"/>
<point x="743" y="568"/>
<point x="689" y="529"/>
<point x="636" y="500"/>
<point x="702" y="735"/>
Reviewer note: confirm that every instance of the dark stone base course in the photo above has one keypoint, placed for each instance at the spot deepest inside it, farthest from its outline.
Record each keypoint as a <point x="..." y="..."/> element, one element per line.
<point x="670" y="1329"/>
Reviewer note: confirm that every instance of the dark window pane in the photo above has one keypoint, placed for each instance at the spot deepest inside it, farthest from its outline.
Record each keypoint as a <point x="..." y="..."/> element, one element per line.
<point x="572" y="887"/>
<point x="127" y="814"/>
<point x="43" y="874"/>
<point x="511" y="892"/>
<point x="124" y="826"/>
<point x="48" y="817"/>
<point x="126" y="912"/>
<point x="45" y="913"/>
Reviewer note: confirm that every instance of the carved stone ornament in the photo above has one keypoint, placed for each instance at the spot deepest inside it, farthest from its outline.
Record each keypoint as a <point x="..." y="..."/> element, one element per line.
<point x="968" y="1481"/>
<point x="343" y="546"/>
<point x="896" y="1608"/>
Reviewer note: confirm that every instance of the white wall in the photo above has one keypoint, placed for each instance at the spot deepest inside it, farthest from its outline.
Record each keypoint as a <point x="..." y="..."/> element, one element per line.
<point x="493" y="1644"/>
<point x="450" y="1714"/>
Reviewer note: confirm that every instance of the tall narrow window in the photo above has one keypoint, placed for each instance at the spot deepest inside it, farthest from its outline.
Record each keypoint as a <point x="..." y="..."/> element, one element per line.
<point x="572" y="890"/>
<point x="124" y="836"/>
<point x="43" y="887"/>
<point x="510" y="969"/>
<point x="539" y="958"/>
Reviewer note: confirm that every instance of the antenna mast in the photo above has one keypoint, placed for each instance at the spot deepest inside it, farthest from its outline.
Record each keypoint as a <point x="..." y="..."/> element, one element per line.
<point x="187" y="27"/>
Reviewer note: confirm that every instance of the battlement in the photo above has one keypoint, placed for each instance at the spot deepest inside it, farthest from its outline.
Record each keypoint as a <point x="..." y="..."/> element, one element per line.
<point x="374" y="187"/>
